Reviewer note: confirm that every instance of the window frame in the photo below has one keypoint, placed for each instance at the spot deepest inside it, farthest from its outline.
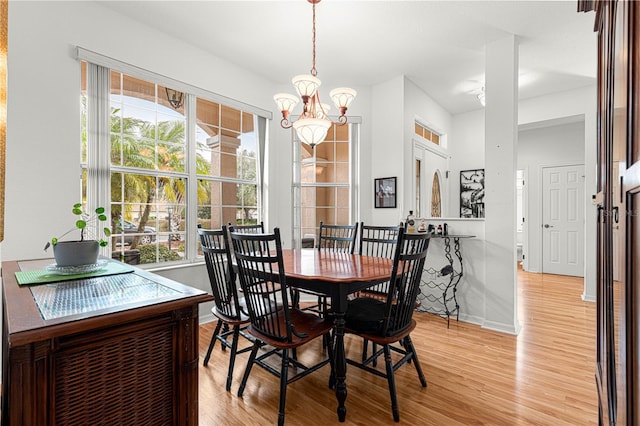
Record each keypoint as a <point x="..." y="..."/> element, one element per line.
<point x="351" y="184"/>
<point x="97" y="164"/>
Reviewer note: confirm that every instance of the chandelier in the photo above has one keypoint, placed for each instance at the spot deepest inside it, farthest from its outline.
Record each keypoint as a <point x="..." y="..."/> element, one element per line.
<point x="313" y="123"/>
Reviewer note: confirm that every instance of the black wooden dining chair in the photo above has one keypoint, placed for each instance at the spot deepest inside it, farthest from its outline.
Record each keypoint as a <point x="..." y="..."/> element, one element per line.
<point x="228" y="308"/>
<point x="389" y="323"/>
<point x="377" y="241"/>
<point x="335" y="238"/>
<point x="283" y="329"/>
<point x="258" y="228"/>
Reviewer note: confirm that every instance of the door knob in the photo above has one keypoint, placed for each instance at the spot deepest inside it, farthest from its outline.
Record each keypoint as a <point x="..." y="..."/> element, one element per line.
<point x="546" y="225"/>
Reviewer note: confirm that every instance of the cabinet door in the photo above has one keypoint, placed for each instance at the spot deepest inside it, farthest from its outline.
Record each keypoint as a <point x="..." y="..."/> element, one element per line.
<point x="620" y="136"/>
<point x="631" y="196"/>
<point x="605" y="352"/>
<point x="619" y="212"/>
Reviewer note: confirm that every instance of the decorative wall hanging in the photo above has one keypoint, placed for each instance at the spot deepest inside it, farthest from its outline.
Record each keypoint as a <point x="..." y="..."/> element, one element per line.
<point x="472" y="193"/>
<point x="385" y="192"/>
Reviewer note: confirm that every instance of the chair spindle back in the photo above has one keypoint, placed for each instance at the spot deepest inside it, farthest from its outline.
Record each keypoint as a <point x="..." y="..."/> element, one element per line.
<point x="217" y="255"/>
<point x="261" y="272"/>
<point x="337" y="238"/>
<point x="408" y="265"/>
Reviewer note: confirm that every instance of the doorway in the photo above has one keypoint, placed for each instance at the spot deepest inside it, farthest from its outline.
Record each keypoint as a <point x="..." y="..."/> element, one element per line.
<point x="520" y="209"/>
<point x="563" y="220"/>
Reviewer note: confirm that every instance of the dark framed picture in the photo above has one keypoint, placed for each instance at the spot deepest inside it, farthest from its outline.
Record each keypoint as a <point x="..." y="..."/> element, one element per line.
<point x="472" y="193"/>
<point x="385" y="193"/>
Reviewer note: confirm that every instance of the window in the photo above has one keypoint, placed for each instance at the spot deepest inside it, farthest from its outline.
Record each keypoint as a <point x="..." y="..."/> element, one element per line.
<point x="323" y="187"/>
<point x="427" y="133"/>
<point x="227" y="166"/>
<point x="170" y="164"/>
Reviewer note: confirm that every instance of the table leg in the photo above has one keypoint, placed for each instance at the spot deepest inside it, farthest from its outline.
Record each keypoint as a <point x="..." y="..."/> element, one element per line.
<point x="340" y="366"/>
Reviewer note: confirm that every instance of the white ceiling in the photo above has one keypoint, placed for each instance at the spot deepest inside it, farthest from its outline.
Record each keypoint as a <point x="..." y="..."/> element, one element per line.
<point x="439" y="45"/>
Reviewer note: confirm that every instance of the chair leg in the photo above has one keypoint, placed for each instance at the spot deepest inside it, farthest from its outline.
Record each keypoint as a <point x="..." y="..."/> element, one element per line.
<point x="392" y="383"/>
<point x="212" y="343"/>
<point x="247" y="370"/>
<point x="232" y="355"/>
<point x="408" y="344"/>
<point x="225" y="329"/>
<point x="283" y="385"/>
<point x="365" y="347"/>
<point x="374" y="349"/>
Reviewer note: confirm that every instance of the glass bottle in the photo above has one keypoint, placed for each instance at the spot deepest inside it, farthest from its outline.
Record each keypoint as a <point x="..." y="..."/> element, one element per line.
<point x="411" y="222"/>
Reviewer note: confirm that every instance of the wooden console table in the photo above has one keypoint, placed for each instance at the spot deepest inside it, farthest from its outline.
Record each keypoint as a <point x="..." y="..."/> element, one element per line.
<point x="115" y="349"/>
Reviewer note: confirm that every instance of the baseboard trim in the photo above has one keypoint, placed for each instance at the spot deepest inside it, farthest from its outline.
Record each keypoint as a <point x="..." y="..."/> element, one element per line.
<point x="513" y="329"/>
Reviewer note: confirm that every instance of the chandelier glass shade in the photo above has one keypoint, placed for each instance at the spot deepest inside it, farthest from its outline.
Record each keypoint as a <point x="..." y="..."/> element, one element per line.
<point x="313" y="123"/>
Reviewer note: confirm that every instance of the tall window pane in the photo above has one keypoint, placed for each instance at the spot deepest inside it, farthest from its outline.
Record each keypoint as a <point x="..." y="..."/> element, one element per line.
<point x="227" y="158"/>
<point x="325" y="182"/>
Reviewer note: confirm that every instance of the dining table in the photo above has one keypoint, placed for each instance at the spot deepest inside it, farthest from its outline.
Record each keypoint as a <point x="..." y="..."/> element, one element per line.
<point x="335" y="275"/>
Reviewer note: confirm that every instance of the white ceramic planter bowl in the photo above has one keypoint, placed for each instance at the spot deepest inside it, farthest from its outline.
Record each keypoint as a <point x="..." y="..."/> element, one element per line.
<point x="76" y="253"/>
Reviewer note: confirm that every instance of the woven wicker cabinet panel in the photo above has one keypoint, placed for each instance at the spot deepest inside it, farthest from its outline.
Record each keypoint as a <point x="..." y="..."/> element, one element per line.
<point x="126" y="380"/>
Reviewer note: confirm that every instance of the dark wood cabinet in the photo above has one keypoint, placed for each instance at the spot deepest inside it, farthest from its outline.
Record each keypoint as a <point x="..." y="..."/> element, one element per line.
<point x="618" y="199"/>
<point x="125" y="351"/>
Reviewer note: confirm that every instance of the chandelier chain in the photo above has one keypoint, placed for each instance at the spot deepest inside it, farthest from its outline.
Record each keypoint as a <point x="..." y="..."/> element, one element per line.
<point x="313" y="123"/>
<point x="314" y="72"/>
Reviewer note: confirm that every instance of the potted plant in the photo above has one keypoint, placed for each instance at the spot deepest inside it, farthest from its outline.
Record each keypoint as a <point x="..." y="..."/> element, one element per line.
<point x="84" y="251"/>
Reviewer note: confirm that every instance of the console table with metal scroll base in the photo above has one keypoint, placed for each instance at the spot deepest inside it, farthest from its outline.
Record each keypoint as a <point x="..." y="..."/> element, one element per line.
<point x="439" y="286"/>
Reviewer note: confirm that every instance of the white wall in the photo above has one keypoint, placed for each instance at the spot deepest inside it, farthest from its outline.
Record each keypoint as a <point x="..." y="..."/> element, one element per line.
<point x="467" y="151"/>
<point x="545" y="146"/>
<point x="419" y="105"/>
<point x="395" y="105"/>
<point x="387" y="150"/>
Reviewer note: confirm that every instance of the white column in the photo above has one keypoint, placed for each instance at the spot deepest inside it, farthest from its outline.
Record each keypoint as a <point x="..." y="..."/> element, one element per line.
<point x="501" y="140"/>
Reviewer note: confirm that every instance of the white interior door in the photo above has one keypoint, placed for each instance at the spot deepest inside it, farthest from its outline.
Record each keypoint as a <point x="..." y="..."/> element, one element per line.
<point x="563" y="220"/>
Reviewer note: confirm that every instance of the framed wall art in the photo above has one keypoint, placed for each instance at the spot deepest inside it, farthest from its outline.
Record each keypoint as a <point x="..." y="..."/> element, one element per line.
<point x="472" y="193"/>
<point x="385" y="192"/>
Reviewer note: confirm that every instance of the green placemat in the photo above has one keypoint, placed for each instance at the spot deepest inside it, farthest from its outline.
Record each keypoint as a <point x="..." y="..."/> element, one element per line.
<point x="43" y="276"/>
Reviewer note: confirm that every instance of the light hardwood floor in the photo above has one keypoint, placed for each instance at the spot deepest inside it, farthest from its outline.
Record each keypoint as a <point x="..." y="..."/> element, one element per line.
<point x="543" y="376"/>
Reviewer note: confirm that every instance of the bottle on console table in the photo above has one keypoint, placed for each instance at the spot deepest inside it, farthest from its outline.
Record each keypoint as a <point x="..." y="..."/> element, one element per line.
<point x="439" y="231"/>
<point x="445" y="229"/>
<point x="411" y="222"/>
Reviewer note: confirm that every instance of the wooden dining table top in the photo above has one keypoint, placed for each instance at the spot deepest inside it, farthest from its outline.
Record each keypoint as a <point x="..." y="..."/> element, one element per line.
<point x="313" y="264"/>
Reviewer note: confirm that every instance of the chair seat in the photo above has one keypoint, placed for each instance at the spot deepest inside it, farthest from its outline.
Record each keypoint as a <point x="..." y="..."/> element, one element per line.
<point x="372" y="294"/>
<point x="365" y="317"/>
<point x="385" y="340"/>
<point x="308" y="325"/>
<point x="233" y="318"/>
